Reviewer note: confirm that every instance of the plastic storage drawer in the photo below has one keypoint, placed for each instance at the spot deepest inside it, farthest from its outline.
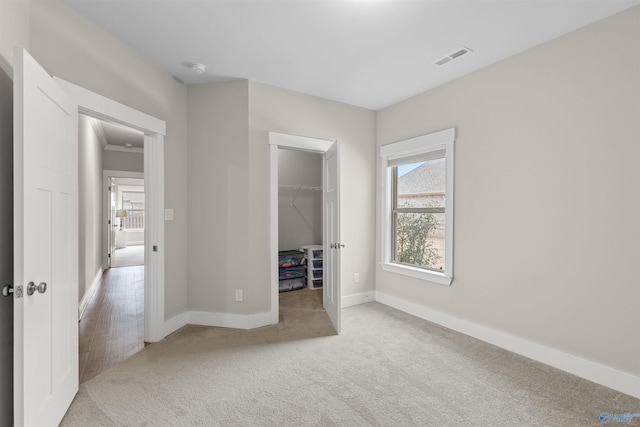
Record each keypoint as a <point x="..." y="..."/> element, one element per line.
<point x="317" y="263"/>
<point x="290" y="258"/>
<point x="292" y="272"/>
<point x="291" y="284"/>
<point x="317" y="274"/>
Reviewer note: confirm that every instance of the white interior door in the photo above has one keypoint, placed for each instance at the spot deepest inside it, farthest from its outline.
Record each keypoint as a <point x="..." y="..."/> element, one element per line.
<point x="113" y="222"/>
<point x="45" y="246"/>
<point x="332" y="245"/>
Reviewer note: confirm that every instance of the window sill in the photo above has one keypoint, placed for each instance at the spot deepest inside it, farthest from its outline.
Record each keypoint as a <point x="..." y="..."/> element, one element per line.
<point x="418" y="273"/>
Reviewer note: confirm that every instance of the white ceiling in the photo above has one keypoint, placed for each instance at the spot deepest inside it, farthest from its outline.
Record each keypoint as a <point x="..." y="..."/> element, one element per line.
<point x="369" y="53"/>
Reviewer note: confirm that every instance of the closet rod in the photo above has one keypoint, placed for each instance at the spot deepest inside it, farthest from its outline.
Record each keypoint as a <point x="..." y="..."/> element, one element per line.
<point x="300" y="187"/>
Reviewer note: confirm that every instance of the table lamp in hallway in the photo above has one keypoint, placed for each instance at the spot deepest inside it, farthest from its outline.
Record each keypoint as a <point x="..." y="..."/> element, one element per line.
<point x="121" y="213"/>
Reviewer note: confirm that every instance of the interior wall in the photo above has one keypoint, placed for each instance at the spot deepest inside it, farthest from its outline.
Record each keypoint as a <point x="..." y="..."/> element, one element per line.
<point x="546" y="204"/>
<point x="218" y="233"/>
<point x="279" y="110"/>
<point x="90" y="205"/>
<point x="123" y="161"/>
<point x="71" y="47"/>
<point x="14" y="30"/>
<point x="299" y="210"/>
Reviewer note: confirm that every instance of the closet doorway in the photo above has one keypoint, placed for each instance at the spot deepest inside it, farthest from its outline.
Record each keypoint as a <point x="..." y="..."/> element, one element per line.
<point x="296" y="199"/>
<point x="300" y="229"/>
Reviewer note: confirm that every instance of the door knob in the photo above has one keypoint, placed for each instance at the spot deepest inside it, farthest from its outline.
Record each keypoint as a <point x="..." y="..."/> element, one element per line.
<point x="7" y="290"/>
<point x="32" y="288"/>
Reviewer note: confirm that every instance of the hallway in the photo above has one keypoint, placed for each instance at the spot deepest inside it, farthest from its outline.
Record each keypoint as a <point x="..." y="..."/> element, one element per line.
<point x="112" y="326"/>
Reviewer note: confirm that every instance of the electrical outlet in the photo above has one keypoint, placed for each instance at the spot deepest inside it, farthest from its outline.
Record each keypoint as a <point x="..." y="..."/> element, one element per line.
<point x="168" y="214"/>
<point x="356" y="278"/>
<point x="239" y="295"/>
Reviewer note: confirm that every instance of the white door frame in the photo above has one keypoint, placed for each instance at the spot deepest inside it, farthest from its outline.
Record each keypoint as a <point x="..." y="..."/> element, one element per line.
<point x="100" y="107"/>
<point x="293" y="142"/>
<point x="106" y="208"/>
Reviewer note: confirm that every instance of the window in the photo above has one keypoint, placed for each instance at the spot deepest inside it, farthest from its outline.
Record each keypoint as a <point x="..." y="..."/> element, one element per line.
<point x="133" y="203"/>
<point x="418" y="207"/>
<point x="418" y="214"/>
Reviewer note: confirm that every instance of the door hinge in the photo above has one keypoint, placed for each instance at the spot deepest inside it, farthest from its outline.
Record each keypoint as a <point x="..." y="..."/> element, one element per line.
<point x="108" y="255"/>
<point x="109" y="222"/>
<point x="109" y="188"/>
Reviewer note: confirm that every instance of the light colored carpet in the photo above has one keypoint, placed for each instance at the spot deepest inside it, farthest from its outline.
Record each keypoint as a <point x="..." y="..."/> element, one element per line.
<point x="387" y="368"/>
<point x="129" y="256"/>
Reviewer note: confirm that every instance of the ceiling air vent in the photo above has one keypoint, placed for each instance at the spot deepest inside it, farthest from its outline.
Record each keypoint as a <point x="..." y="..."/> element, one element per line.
<point x="455" y="55"/>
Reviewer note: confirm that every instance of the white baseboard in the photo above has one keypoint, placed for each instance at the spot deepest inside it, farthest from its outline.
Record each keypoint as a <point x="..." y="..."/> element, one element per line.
<point x="598" y="373"/>
<point x="355" y="299"/>
<point x="175" y="323"/>
<point x="224" y="320"/>
<point x="88" y="293"/>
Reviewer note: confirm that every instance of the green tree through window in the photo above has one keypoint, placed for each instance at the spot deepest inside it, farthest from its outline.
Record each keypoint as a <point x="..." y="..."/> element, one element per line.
<point x="414" y="244"/>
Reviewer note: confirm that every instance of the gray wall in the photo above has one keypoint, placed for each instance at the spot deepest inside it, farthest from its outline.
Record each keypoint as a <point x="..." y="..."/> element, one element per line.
<point x="547" y="184"/>
<point x="301" y="223"/>
<point x="218" y="200"/>
<point x="123" y="161"/>
<point x="90" y="196"/>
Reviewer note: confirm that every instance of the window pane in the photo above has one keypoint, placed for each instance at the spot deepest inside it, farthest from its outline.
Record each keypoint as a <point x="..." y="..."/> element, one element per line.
<point x="420" y="239"/>
<point x="133" y="202"/>
<point x="421" y="184"/>
<point x="134" y="199"/>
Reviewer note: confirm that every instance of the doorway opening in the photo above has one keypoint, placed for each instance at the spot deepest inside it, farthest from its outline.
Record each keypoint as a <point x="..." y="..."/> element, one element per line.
<point x="125" y="226"/>
<point x="300" y="230"/>
<point x="325" y="252"/>
<point x="111" y="237"/>
<point x="99" y="107"/>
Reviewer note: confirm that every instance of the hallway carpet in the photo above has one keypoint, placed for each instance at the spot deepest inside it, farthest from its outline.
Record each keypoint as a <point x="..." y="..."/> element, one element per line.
<point x="129" y="256"/>
<point x="387" y="368"/>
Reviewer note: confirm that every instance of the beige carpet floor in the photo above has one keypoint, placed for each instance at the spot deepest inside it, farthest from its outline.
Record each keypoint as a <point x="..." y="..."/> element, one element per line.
<point x="129" y="256"/>
<point x="387" y="368"/>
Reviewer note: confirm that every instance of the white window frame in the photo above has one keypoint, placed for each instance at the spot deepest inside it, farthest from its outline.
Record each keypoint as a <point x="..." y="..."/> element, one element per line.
<point x="424" y="144"/>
